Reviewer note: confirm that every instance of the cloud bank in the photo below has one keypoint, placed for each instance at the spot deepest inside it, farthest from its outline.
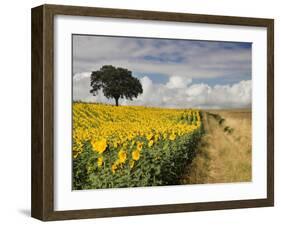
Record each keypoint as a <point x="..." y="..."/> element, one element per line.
<point x="176" y="93"/>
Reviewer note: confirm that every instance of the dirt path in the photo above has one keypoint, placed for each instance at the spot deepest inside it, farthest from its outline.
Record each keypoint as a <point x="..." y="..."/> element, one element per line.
<point x="224" y="153"/>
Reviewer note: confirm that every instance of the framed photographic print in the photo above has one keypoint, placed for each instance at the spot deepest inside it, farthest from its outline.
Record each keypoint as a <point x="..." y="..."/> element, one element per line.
<point x="141" y="112"/>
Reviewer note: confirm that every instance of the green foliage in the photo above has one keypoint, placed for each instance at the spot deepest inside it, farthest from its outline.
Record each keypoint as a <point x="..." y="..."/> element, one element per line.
<point x="228" y="129"/>
<point x="163" y="164"/>
<point x="217" y="117"/>
<point x="115" y="83"/>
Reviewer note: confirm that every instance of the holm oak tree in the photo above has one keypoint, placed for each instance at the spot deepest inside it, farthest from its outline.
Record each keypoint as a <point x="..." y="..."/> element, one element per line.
<point x="115" y="83"/>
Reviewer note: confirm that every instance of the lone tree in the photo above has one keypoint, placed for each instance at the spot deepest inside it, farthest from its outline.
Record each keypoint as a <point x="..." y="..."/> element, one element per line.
<point x="115" y="83"/>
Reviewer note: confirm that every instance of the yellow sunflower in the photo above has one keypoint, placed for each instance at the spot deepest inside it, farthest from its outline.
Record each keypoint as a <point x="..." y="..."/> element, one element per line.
<point x="136" y="154"/>
<point x="99" y="146"/>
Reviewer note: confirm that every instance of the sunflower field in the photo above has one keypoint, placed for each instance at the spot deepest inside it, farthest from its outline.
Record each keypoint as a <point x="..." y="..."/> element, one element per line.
<point x="131" y="146"/>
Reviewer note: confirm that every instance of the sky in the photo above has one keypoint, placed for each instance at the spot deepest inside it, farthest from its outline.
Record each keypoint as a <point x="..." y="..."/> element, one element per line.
<point x="174" y="73"/>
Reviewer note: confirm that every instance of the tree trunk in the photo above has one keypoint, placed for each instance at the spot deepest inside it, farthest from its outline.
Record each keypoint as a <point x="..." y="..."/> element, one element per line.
<point x="116" y="101"/>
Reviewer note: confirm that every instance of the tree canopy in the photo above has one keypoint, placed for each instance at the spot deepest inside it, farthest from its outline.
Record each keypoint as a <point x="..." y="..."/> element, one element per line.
<point x="115" y="82"/>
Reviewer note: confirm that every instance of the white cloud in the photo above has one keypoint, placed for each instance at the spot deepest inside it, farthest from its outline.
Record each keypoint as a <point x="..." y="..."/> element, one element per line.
<point x="81" y="89"/>
<point x="80" y="76"/>
<point x="176" y="93"/>
<point x="178" y="82"/>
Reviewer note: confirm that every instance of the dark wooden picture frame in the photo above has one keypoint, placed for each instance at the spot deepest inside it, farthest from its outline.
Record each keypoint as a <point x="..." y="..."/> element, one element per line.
<point x="42" y="203"/>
